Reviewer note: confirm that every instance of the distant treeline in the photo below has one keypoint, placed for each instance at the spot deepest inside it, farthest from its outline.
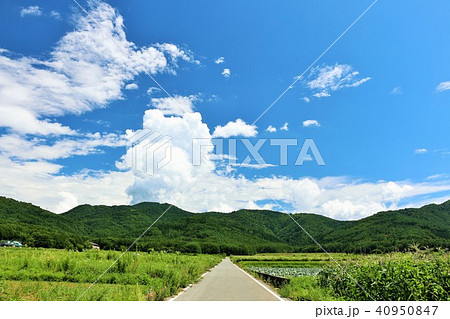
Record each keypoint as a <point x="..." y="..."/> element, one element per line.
<point x="239" y="233"/>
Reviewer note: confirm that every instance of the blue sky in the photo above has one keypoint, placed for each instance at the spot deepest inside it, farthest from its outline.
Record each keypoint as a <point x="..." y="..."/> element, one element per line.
<point x="376" y="104"/>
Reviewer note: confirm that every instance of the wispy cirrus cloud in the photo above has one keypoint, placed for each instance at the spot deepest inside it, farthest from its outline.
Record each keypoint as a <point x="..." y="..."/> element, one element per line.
<point x="26" y="148"/>
<point x="323" y="80"/>
<point x="31" y="11"/>
<point x="55" y="14"/>
<point x="253" y="166"/>
<point x="397" y="91"/>
<point x="152" y="90"/>
<point x="441" y="151"/>
<point x="443" y="86"/>
<point x="420" y="151"/>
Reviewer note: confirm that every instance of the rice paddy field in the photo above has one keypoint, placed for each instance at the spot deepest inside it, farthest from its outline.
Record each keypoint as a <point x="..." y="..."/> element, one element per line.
<point x="52" y="274"/>
<point x="422" y="275"/>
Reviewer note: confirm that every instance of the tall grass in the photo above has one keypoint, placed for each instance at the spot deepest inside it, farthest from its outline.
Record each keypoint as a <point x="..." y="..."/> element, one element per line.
<point x="139" y="276"/>
<point x="306" y="289"/>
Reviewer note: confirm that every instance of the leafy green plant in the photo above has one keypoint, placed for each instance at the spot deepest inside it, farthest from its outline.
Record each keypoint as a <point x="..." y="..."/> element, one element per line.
<point x="286" y="272"/>
<point x="423" y="276"/>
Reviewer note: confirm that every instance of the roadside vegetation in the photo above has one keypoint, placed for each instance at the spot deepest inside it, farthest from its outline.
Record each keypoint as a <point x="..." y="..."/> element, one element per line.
<point x="418" y="275"/>
<point x="52" y="274"/>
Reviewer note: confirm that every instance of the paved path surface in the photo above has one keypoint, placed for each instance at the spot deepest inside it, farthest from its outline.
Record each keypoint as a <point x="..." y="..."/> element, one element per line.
<point x="227" y="282"/>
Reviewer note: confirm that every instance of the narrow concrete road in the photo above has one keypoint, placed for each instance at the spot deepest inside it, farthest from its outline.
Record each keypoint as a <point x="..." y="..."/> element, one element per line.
<point x="227" y="282"/>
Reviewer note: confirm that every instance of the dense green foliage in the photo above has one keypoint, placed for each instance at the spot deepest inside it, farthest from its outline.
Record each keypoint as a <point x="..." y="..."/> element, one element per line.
<point x="37" y="227"/>
<point x="241" y="232"/>
<point x="420" y="276"/>
<point x="50" y="274"/>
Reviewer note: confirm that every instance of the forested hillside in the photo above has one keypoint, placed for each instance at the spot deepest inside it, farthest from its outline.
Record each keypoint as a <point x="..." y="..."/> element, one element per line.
<point x="240" y="232"/>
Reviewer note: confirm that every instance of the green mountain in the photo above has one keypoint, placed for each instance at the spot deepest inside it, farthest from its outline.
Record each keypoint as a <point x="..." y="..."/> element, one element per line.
<point x="240" y="232"/>
<point x="37" y="227"/>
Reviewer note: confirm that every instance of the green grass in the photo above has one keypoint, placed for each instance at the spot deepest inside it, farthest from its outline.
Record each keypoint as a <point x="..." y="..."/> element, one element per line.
<point x="66" y="291"/>
<point x="51" y="274"/>
<point x="306" y="289"/>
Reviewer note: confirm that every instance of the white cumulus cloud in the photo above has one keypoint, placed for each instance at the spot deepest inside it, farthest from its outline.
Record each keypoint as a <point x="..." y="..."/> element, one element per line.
<point x="175" y="53"/>
<point x="219" y="60"/>
<point x="235" y="128"/>
<point x="86" y="70"/>
<point x="176" y="105"/>
<point x="220" y="190"/>
<point x="309" y="123"/>
<point x="271" y="129"/>
<point x="226" y="73"/>
<point x="131" y="86"/>
<point x="215" y="190"/>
